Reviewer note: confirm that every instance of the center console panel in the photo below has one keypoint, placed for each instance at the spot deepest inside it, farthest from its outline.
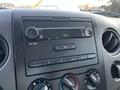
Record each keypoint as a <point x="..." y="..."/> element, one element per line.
<point x="57" y="51"/>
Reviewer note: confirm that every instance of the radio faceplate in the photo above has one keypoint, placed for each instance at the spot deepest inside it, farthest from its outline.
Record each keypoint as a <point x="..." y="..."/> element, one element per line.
<point x="57" y="45"/>
<point x="80" y="55"/>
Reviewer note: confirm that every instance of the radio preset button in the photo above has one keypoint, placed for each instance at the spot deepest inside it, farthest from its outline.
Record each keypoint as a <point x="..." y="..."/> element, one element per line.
<point x="90" y="56"/>
<point x="37" y="63"/>
<point x="69" y="59"/>
<point x="55" y="61"/>
<point x="82" y="57"/>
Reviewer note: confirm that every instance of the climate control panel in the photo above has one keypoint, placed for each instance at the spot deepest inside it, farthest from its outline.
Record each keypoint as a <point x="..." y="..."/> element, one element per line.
<point x="70" y="81"/>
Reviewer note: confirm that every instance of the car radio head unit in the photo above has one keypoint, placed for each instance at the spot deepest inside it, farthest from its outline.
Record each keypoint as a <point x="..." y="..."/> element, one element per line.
<point x="56" y="52"/>
<point x="60" y="44"/>
<point x="57" y="33"/>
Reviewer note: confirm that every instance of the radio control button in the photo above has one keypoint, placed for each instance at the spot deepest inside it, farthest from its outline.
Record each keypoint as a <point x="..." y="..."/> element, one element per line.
<point x="90" y="56"/>
<point x="82" y="57"/>
<point x="88" y="32"/>
<point x="32" y="64"/>
<point x="64" y="47"/>
<point x="65" y="59"/>
<point x="55" y="61"/>
<point x="69" y="59"/>
<point x="74" y="58"/>
<point x="31" y="33"/>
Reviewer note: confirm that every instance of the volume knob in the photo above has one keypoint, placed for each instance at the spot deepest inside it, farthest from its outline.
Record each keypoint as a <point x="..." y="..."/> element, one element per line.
<point x="40" y="84"/>
<point x="88" y="32"/>
<point x="32" y="33"/>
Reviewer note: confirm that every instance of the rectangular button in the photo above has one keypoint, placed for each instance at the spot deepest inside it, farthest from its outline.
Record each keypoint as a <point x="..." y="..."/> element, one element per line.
<point x="64" y="47"/>
<point x="64" y="59"/>
<point x="37" y="63"/>
<point x="82" y="57"/>
<point x="54" y="61"/>
<point x="32" y="64"/>
<point x="90" y="56"/>
<point x="73" y="58"/>
<point x="69" y="59"/>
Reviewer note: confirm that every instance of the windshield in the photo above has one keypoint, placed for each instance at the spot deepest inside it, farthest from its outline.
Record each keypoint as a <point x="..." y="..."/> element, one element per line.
<point x="104" y="7"/>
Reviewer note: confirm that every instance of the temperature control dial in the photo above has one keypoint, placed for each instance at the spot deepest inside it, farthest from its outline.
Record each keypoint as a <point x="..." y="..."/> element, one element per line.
<point x="69" y="82"/>
<point x="31" y="33"/>
<point x="40" y="84"/>
<point x="92" y="79"/>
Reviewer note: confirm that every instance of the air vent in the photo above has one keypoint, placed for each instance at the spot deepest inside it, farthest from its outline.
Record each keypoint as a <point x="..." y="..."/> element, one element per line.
<point x="115" y="70"/>
<point x="3" y="51"/>
<point x="111" y="41"/>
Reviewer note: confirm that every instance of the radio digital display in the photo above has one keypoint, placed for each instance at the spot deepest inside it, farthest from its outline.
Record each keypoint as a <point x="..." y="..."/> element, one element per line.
<point x="64" y="33"/>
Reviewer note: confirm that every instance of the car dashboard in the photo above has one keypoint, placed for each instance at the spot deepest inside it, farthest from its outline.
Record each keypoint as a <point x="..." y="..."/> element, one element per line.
<point x="58" y="50"/>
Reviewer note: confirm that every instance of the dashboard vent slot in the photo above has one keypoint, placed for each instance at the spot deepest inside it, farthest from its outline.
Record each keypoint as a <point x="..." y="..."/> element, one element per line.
<point x="111" y="41"/>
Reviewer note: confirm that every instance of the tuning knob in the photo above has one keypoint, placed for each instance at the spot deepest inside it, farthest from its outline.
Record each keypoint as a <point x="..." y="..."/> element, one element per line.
<point x="40" y="84"/>
<point x="69" y="81"/>
<point x="92" y="79"/>
<point x="31" y="33"/>
<point x="88" y="32"/>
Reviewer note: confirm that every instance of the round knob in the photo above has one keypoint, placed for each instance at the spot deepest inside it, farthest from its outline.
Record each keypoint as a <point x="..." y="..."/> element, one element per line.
<point x="31" y="33"/>
<point x="88" y="32"/>
<point x="69" y="81"/>
<point x="92" y="79"/>
<point x="40" y="84"/>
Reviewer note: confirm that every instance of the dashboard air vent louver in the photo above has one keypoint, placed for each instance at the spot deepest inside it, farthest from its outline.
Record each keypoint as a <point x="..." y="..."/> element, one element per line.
<point x="3" y="51"/>
<point x="111" y="41"/>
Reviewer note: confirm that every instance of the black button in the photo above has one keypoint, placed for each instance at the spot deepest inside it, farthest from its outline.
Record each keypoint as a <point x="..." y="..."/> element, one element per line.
<point x="43" y="63"/>
<point x="32" y="64"/>
<point x="32" y="33"/>
<point x="82" y="57"/>
<point x="72" y="58"/>
<point x="37" y="63"/>
<point x="91" y="56"/>
<point x="69" y="59"/>
<point x="54" y="61"/>
<point x="64" y="47"/>
<point x="64" y="59"/>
